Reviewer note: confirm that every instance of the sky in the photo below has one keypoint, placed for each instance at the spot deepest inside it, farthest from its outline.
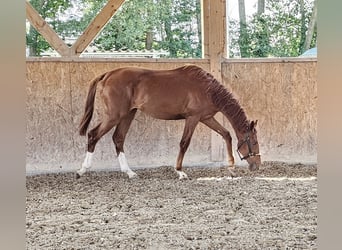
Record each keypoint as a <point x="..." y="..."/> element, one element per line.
<point x="233" y="8"/>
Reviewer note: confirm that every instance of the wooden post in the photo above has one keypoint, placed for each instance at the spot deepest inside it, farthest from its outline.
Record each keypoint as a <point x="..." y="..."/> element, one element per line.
<point x="46" y="31"/>
<point x="84" y="40"/>
<point x="205" y="7"/>
<point x="95" y="27"/>
<point x="214" y="48"/>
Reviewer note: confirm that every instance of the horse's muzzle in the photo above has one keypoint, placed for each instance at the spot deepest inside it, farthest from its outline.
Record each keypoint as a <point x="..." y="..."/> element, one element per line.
<point x="253" y="166"/>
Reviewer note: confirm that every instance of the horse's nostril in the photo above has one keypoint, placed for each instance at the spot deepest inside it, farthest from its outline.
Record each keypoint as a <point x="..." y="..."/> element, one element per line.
<point x="253" y="166"/>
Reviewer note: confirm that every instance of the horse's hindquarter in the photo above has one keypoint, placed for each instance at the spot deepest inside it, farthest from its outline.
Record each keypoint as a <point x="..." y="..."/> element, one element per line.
<point x="169" y="96"/>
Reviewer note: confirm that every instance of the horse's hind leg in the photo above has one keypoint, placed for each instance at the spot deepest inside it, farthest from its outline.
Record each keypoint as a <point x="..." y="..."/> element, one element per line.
<point x="94" y="136"/>
<point x="119" y="139"/>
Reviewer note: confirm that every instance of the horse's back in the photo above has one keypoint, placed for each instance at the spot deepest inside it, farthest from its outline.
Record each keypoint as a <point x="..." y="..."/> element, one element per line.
<point x="163" y="94"/>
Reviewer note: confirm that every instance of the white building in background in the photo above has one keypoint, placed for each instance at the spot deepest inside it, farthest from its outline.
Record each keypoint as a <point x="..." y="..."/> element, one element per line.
<point x="94" y="52"/>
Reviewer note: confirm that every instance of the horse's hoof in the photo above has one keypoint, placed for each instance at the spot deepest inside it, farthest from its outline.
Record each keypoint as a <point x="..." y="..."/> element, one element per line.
<point x="231" y="173"/>
<point x="231" y="164"/>
<point x="182" y="175"/>
<point x="78" y="176"/>
<point x="132" y="175"/>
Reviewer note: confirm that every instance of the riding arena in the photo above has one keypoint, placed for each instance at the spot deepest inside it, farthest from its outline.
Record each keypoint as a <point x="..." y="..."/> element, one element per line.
<point x="132" y="153"/>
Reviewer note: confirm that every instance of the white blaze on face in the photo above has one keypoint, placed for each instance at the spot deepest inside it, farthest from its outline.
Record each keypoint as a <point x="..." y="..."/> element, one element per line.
<point x="124" y="165"/>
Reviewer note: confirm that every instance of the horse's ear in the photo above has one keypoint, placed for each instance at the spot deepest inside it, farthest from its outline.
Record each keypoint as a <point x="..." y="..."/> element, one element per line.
<point x="253" y="125"/>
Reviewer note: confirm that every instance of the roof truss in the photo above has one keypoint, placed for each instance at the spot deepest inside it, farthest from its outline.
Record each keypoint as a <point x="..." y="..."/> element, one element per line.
<point x="84" y="40"/>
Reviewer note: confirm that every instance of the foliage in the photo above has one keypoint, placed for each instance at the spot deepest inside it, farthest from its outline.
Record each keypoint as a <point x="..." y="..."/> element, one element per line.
<point x="279" y="32"/>
<point x="174" y="26"/>
<point x="170" y="22"/>
<point x="49" y="10"/>
<point x="127" y="29"/>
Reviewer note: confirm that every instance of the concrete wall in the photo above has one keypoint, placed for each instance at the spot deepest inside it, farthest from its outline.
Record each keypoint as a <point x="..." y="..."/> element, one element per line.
<point x="281" y="95"/>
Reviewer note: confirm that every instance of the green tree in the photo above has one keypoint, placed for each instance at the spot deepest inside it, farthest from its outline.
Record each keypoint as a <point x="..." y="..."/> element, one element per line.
<point x="128" y="28"/>
<point x="49" y="10"/>
<point x="312" y="28"/>
<point x="278" y="32"/>
<point x="138" y="24"/>
<point x="154" y="24"/>
<point x="243" y="34"/>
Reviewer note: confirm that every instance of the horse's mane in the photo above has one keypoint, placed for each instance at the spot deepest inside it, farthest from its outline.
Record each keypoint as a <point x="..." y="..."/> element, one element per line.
<point x="220" y="96"/>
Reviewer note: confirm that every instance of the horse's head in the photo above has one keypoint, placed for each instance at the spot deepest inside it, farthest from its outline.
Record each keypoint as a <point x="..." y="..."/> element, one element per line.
<point x="248" y="147"/>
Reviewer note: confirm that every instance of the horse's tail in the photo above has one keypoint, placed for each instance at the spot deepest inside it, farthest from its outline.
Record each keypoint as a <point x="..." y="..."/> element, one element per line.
<point x="89" y="107"/>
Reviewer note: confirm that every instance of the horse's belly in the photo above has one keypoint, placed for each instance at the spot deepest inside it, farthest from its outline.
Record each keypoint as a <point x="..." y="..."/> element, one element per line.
<point x="168" y="116"/>
<point x="166" y="113"/>
<point x="164" y="103"/>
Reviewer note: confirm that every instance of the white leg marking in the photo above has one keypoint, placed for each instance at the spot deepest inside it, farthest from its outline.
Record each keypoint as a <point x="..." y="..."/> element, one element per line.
<point x="124" y="165"/>
<point x="182" y="175"/>
<point x="86" y="163"/>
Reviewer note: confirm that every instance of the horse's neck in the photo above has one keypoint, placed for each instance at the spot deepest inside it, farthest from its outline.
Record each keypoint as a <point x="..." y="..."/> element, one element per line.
<point x="228" y="105"/>
<point x="239" y="132"/>
<point x="238" y="121"/>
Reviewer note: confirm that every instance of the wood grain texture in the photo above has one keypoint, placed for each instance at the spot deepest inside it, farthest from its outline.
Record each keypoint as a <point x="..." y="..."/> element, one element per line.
<point x="283" y="98"/>
<point x="46" y="31"/>
<point x="56" y="97"/>
<point x="95" y="26"/>
<point x="215" y="35"/>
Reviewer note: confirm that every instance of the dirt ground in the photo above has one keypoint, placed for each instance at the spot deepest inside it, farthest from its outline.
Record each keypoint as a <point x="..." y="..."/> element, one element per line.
<point x="106" y="210"/>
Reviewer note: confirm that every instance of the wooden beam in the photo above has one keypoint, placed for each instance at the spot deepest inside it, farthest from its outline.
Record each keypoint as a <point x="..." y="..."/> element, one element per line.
<point x="205" y="7"/>
<point x="46" y="31"/>
<point x="217" y="35"/>
<point x="95" y="26"/>
<point x="214" y="48"/>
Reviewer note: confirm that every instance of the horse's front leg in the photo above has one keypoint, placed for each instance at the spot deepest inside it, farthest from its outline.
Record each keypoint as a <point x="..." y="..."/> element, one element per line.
<point x="217" y="127"/>
<point x="190" y="125"/>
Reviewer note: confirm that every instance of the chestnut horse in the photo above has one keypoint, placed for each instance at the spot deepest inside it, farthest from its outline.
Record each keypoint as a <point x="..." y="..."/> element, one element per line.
<point x="187" y="92"/>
